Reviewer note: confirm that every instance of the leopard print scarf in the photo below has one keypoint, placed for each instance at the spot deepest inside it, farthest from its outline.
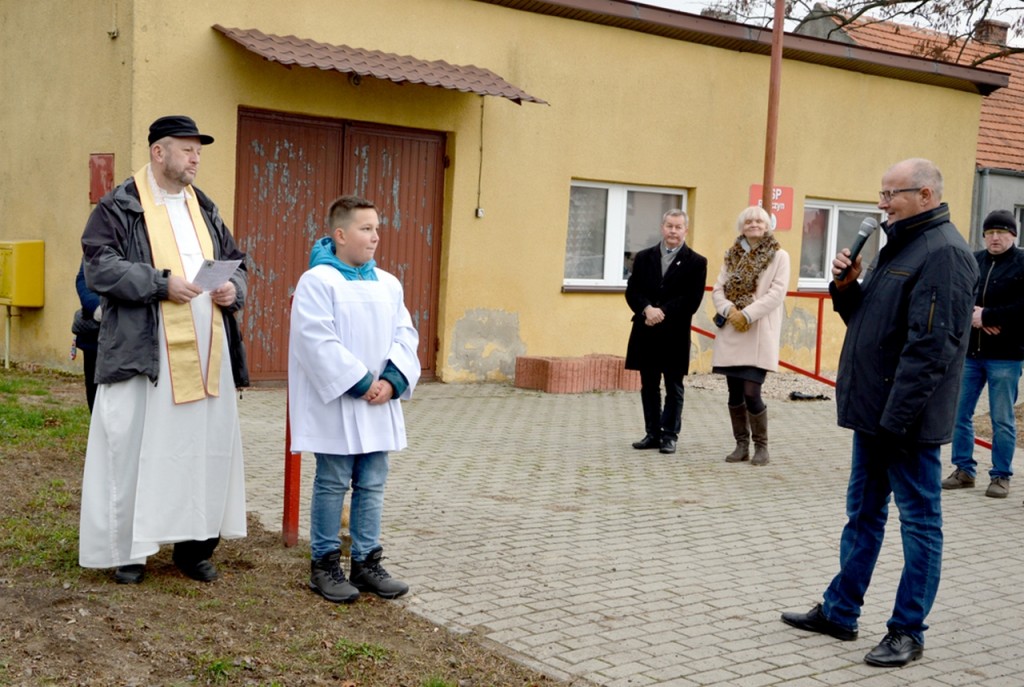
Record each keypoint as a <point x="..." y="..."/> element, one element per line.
<point x="744" y="268"/>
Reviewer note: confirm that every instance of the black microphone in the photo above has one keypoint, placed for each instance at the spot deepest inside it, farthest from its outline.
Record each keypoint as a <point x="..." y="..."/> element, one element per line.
<point x="867" y="227"/>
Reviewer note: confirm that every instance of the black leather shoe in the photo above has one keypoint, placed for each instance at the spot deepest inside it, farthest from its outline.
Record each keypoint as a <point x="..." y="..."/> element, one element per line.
<point x="202" y="571"/>
<point x="649" y="441"/>
<point x="130" y="574"/>
<point x="667" y="446"/>
<point x="897" y="649"/>
<point x="815" y="621"/>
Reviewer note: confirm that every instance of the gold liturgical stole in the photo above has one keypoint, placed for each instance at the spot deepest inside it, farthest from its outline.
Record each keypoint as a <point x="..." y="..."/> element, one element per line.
<point x="187" y="382"/>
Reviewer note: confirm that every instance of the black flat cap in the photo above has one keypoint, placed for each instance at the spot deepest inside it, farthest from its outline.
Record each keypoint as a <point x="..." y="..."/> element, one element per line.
<point x="178" y="126"/>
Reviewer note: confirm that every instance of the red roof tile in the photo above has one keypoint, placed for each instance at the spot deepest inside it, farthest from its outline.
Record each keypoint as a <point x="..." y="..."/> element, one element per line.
<point x="380" y="65"/>
<point x="1001" y="129"/>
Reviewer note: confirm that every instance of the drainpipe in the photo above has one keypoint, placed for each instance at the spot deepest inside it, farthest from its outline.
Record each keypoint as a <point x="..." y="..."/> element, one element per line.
<point x="980" y="207"/>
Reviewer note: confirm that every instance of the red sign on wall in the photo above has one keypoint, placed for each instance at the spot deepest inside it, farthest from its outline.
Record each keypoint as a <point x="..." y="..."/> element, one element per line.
<point x="101" y="175"/>
<point x="782" y="204"/>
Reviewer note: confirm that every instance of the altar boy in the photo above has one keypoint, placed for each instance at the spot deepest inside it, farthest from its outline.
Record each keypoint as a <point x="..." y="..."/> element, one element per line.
<point x="351" y="357"/>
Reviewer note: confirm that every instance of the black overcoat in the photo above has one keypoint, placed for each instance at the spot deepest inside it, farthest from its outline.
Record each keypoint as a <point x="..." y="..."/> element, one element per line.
<point x="665" y="346"/>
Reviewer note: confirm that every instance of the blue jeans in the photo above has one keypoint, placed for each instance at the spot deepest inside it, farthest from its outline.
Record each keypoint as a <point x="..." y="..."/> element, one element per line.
<point x="1002" y="377"/>
<point x="915" y="479"/>
<point x="367" y="473"/>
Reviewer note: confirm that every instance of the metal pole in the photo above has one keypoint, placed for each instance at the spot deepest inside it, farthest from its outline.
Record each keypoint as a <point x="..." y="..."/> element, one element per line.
<point x="774" y="88"/>
<point x="7" y="339"/>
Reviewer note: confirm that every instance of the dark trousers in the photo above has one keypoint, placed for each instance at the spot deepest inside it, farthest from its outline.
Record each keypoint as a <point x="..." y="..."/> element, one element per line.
<point x="660" y="423"/>
<point x="191" y="552"/>
<point x="89" y="363"/>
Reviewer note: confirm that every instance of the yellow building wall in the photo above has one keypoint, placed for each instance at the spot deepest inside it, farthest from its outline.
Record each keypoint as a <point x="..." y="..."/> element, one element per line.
<point x="624" y="107"/>
<point x="65" y="94"/>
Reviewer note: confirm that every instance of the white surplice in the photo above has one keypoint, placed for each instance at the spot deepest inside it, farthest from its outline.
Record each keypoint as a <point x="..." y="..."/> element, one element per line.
<point x="156" y="472"/>
<point x="340" y="330"/>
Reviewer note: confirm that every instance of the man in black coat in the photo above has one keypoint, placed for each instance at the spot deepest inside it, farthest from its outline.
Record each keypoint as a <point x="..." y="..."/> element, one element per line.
<point x="664" y="290"/>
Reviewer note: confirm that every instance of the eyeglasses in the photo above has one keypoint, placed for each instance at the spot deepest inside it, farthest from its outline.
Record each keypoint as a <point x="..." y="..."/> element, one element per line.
<point x="886" y="196"/>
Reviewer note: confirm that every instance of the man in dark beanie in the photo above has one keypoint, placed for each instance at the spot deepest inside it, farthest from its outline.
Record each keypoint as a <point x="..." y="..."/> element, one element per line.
<point x="993" y="357"/>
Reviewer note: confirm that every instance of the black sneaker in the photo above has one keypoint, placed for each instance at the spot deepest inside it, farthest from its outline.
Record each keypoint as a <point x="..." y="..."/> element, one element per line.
<point x="370" y="576"/>
<point x="327" y="579"/>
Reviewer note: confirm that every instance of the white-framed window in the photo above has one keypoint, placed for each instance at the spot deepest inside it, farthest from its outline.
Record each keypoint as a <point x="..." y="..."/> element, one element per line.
<point x="1018" y="212"/>
<point x="830" y="226"/>
<point x="608" y="224"/>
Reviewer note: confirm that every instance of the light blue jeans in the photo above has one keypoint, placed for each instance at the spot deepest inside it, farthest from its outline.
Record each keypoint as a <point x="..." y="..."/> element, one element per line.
<point x="916" y="482"/>
<point x="367" y="474"/>
<point x="1002" y="377"/>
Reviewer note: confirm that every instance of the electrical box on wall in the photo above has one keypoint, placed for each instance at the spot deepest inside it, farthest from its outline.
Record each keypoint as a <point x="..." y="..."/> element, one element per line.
<point x="21" y="273"/>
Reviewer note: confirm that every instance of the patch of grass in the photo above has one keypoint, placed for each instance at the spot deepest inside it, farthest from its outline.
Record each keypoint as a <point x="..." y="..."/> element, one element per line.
<point x="352" y="651"/>
<point x="18" y="385"/>
<point x="44" y="533"/>
<point x="437" y="682"/>
<point x="31" y="417"/>
<point x="216" y="670"/>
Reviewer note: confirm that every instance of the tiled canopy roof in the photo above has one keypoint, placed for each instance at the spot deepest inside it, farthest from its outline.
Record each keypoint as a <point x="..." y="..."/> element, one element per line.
<point x="1001" y="129"/>
<point x="303" y="52"/>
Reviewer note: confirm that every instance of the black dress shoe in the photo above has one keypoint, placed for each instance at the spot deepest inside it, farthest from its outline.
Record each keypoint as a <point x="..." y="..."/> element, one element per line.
<point x="668" y="446"/>
<point x="649" y="441"/>
<point x="897" y="649"/>
<point x="815" y="621"/>
<point x="130" y="574"/>
<point x="203" y="571"/>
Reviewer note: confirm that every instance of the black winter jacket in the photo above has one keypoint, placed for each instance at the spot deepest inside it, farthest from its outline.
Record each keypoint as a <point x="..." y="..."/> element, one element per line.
<point x="665" y="346"/>
<point x="119" y="267"/>
<point x="907" y="330"/>
<point x="1001" y="295"/>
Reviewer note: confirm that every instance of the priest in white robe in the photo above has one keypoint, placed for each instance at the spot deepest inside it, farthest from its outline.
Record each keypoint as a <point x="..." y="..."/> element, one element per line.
<point x="164" y="459"/>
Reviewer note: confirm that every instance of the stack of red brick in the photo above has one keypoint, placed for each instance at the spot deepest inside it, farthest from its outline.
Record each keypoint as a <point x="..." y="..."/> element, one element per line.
<point x="594" y="372"/>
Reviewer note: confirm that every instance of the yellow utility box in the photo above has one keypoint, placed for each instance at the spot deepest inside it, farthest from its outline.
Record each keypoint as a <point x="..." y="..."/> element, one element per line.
<point x="21" y="273"/>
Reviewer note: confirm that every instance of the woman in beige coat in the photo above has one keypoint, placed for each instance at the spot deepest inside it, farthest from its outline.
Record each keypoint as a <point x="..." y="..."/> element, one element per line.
<point x="748" y="296"/>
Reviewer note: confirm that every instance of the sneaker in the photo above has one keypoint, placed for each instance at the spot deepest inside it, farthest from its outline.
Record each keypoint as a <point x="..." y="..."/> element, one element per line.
<point x="327" y="579"/>
<point x="370" y="576"/>
<point x="999" y="488"/>
<point x="958" y="480"/>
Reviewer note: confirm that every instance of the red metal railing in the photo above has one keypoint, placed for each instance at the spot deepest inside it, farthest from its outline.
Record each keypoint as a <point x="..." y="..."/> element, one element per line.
<point x="293" y="461"/>
<point x="815" y="374"/>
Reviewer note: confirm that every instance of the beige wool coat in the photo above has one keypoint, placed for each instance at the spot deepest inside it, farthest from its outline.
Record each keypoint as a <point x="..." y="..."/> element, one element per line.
<point x="759" y="345"/>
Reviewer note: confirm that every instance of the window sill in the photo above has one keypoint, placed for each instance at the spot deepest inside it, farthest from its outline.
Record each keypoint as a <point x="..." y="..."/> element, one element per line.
<point x="612" y="288"/>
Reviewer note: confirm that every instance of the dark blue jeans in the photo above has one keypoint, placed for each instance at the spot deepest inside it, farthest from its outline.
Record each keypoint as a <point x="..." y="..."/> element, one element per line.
<point x="916" y="482"/>
<point x="660" y="423"/>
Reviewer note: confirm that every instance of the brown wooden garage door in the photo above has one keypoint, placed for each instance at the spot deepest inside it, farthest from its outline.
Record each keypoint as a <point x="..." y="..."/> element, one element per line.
<point x="289" y="169"/>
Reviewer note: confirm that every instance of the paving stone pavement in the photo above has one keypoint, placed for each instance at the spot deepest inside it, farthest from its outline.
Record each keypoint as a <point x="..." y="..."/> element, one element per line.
<point x="527" y="519"/>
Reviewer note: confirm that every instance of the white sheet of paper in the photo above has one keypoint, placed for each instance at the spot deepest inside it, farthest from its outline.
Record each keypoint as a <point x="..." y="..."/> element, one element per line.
<point x="213" y="273"/>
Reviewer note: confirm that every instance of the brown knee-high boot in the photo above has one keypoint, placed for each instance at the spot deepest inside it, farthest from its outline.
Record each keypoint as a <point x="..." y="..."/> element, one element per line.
<point x="741" y="432"/>
<point x="759" y="430"/>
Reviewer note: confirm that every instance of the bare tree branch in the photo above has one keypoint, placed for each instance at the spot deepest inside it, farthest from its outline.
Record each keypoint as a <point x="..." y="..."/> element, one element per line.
<point x="948" y="28"/>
